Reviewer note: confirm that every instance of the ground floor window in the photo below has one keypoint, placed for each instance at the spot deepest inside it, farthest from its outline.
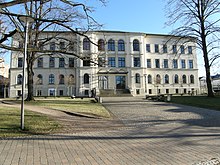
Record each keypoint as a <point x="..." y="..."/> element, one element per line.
<point x="51" y="92"/>
<point x="86" y="92"/>
<point x="177" y="91"/>
<point x="39" y="92"/>
<point x="150" y="91"/>
<point x="184" y="91"/>
<point x="61" y="92"/>
<point x="137" y="91"/>
<point x="167" y="91"/>
<point x="120" y="82"/>
<point x="19" y="93"/>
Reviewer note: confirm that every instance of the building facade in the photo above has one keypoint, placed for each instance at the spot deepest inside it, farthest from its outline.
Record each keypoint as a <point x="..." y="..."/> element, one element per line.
<point x="111" y="62"/>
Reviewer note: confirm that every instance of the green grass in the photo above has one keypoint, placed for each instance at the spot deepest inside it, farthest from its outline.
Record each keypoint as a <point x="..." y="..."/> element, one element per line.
<point x="83" y="106"/>
<point x="198" y="101"/>
<point x="35" y="123"/>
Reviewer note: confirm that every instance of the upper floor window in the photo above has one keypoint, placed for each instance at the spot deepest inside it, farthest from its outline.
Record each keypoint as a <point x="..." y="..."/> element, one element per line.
<point x="51" y="62"/>
<point x="189" y="49"/>
<point x="182" y="49"/>
<point x="137" y="78"/>
<point x="176" y="79"/>
<point x="20" y="62"/>
<point x="191" y="64"/>
<point x="156" y="48"/>
<point x="166" y="79"/>
<point x="111" y="61"/>
<point x="19" y="79"/>
<point x="86" y="62"/>
<point x="51" y="79"/>
<point x="136" y="45"/>
<point x="148" y="63"/>
<point x="62" y="45"/>
<point x="71" y="62"/>
<point x="158" y="79"/>
<point x="86" y="44"/>
<point x="183" y="63"/>
<point x="157" y="63"/>
<point x="175" y="63"/>
<point x="61" y="79"/>
<point x="101" y="61"/>
<point x="61" y="62"/>
<point x="111" y="45"/>
<point x="39" y="79"/>
<point x="86" y="78"/>
<point x="164" y="48"/>
<point x="52" y="46"/>
<point x="121" y="61"/>
<point x="184" y="79"/>
<point x="149" y="79"/>
<point x="40" y="62"/>
<point x="191" y="79"/>
<point x="137" y="62"/>
<point x="174" y="49"/>
<point x="101" y="45"/>
<point x="165" y="63"/>
<point x="121" y="45"/>
<point x="148" y="47"/>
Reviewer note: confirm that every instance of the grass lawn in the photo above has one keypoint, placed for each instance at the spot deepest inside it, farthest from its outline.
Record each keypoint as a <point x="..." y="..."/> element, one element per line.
<point x="35" y="123"/>
<point x="198" y="101"/>
<point x="83" y="106"/>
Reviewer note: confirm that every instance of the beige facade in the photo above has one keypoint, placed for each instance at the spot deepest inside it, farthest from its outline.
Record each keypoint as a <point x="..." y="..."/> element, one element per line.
<point x="123" y="62"/>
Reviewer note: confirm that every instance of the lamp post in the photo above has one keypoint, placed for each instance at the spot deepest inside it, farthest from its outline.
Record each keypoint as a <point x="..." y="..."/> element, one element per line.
<point x="26" y="21"/>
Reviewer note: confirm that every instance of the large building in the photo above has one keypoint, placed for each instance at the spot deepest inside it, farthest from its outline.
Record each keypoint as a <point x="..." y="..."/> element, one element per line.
<point x="115" y="62"/>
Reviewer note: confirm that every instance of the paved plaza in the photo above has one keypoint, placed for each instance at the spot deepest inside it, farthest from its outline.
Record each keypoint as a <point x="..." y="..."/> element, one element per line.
<point x="154" y="133"/>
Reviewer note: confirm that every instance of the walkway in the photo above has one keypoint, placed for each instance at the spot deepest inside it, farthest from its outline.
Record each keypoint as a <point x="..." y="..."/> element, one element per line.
<point x="150" y="133"/>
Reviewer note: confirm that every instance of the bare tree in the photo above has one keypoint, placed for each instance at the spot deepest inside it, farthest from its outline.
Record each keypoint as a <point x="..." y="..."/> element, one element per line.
<point x="48" y="15"/>
<point x="198" y="19"/>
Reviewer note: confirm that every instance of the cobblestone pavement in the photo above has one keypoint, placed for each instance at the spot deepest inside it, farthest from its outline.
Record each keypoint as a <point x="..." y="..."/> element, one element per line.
<point x="153" y="133"/>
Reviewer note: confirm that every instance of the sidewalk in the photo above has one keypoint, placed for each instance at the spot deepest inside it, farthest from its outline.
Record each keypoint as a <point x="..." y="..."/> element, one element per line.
<point x="153" y="133"/>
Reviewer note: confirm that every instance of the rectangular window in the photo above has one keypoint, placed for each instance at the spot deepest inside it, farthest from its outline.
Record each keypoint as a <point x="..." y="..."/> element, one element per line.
<point x="177" y="91"/>
<point x="157" y="63"/>
<point x="164" y="48"/>
<point x="52" y="62"/>
<point x="183" y="63"/>
<point x="111" y="61"/>
<point x="52" y="46"/>
<point x="39" y="93"/>
<point x="174" y="49"/>
<point x="20" y="62"/>
<point x="189" y="49"/>
<point x="86" y="62"/>
<point x="182" y="49"/>
<point x="62" y="45"/>
<point x="165" y="63"/>
<point x="121" y="61"/>
<point x="175" y="63"/>
<point x="61" y="62"/>
<point x="148" y="63"/>
<point x="137" y="62"/>
<point x="51" y="92"/>
<point x="156" y="46"/>
<point x="71" y="62"/>
<point x="148" y="47"/>
<point x="101" y="61"/>
<point x="86" y="92"/>
<point x="61" y="92"/>
<point x="40" y="62"/>
<point x="190" y="64"/>
<point x="150" y="91"/>
<point x="167" y="91"/>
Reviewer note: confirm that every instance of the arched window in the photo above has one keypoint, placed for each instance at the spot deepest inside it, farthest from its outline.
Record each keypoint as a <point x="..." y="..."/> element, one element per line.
<point x="19" y="79"/>
<point x="121" y="45"/>
<point x="86" y="78"/>
<point x="191" y="79"/>
<point x="176" y="79"/>
<point x="184" y="79"/>
<point x="39" y="79"/>
<point x="158" y="79"/>
<point x="136" y="46"/>
<point x="61" y="79"/>
<point x="111" y="45"/>
<point x="166" y="79"/>
<point x="51" y="79"/>
<point x="86" y="44"/>
<point x="149" y="79"/>
<point x="71" y="80"/>
<point x="101" y="45"/>
<point x="137" y="78"/>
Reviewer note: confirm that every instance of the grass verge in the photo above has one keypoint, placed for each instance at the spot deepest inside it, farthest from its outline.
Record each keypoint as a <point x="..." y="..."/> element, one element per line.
<point x="198" y="101"/>
<point x="35" y="123"/>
